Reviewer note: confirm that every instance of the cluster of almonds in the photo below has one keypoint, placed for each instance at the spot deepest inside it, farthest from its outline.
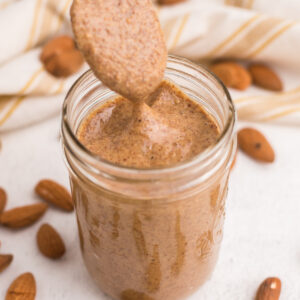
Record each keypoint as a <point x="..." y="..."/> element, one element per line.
<point x="49" y="241"/>
<point x="235" y="75"/>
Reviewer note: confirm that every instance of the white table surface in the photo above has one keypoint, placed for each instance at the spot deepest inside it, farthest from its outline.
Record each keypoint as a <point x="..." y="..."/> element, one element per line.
<point x="262" y="230"/>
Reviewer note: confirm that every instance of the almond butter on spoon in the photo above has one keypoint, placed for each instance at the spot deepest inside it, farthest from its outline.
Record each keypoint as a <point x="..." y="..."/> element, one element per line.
<point x="123" y="43"/>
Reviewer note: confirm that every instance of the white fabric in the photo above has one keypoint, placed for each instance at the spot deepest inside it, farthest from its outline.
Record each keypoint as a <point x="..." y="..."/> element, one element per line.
<point x="262" y="223"/>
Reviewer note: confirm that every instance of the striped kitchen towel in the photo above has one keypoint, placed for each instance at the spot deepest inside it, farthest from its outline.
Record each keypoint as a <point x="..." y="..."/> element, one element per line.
<point x="201" y="30"/>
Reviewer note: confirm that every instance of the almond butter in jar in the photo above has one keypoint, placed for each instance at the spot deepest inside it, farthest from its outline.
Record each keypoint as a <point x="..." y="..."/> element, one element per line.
<point x="151" y="234"/>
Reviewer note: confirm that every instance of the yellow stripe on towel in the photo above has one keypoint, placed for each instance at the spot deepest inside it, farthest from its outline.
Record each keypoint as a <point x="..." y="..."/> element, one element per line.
<point x="274" y="37"/>
<point x="271" y="96"/>
<point x="180" y="30"/>
<point x="252" y="37"/>
<point x="20" y="96"/>
<point x="62" y="15"/>
<point x="34" y="24"/>
<point x="235" y="34"/>
<point x="281" y="114"/>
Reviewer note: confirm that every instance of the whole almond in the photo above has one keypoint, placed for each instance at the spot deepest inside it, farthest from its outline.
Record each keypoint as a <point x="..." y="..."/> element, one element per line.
<point x="56" y="46"/>
<point x="22" y="288"/>
<point x="232" y="74"/>
<point x="49" y="242"/>
<point x="265" y="77"/>
<point x="54" y="193"/>
<point x="3" y="199"/>
<point x="23" y="216"/>
<point x="64" y="64"/>
<point x="269" y="289"/>
<point x="255" y="144"/>
<point x="5" y="260"/>
<point x="60" y="57"/>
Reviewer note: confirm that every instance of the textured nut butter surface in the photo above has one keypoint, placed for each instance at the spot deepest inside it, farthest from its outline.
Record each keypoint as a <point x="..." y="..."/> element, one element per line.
<point x="172" y="130"/>
<point x="122" y="42"/>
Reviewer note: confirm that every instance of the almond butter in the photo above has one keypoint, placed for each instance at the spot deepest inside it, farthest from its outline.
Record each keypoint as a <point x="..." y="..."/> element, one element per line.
<point x="49" y="242"/>
<point x="54" y="193"/>
<point x="5" y="260"/>
<point x="60" y="57"/>
<point x="3" y="199"/>
<point x="255" y="144"/>
<point x="265" y="77"/>
<point x="232" y="74"/>
<point x="22" y="288"/>
<point x="23" y="216"/>
<point x="269" y="289"/>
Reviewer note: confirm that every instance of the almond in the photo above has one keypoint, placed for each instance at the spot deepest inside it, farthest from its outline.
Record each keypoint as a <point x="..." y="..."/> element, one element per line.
<point x="255" y="144"/>
<point x="65" y="64"/>
<point x="54" y="193"/>
<point x="23" y="216"/>
<point x="269" y="289"/>
<point x="5" y="260"/>
<point x="3" y="199"/>
<point x="60" y="57"/>
<point x="49" y="242"/>
<point x="232" y="74"/>
<point x="56" y="46"/>
<point x="22" y="288"/>
<point x="264" y="77"/>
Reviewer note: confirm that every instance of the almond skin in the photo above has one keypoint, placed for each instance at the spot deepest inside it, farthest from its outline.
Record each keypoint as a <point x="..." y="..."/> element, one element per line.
<point x="5" y="260"/>
<point x="23" y="216"/>
<point x="3" y="200"/>
<point x="49" y="242"/>
<point x="232" y="74"/>
<point x="64" y="64"/>
<point x="255" y="144"/>
<point x="22" y="288"/>
<point x="265" y="77"/>
<point x="57" y="46"/>
<point x="60" y="57"/>
<point x="54" y="193"/>
<point x="269" y="289"/>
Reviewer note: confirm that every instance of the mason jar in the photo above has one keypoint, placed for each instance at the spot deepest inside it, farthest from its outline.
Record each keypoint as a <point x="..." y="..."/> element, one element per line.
<point x="151" y="234"/>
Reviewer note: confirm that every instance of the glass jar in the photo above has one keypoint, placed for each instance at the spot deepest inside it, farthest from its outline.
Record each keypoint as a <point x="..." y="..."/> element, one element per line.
<point x="151" y="234"/>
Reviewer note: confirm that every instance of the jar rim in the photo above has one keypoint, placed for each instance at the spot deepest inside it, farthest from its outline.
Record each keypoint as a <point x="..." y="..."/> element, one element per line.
<point x="97" y="160"/>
